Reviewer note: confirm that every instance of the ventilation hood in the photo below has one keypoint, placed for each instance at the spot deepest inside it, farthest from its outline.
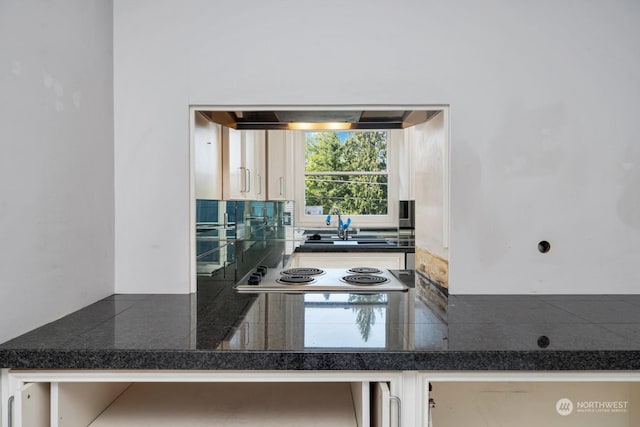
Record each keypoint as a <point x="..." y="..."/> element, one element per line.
<point x="320" y="119"/>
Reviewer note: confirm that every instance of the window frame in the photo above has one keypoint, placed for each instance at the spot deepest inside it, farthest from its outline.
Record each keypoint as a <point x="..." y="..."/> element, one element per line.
<point x="390" y="220"/>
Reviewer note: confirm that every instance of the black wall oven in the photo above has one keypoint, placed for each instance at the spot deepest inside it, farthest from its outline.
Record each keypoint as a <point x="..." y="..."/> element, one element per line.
<point x="406" y="214"/>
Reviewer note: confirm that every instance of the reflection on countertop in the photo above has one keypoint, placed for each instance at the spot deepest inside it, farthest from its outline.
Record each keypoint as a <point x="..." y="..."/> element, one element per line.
<point x="337" y="322"/>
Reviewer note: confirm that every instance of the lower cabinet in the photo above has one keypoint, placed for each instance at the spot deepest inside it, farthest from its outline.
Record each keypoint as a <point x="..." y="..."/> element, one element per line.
<point x="320" y="398"/>
<point x="392" y="260"/>
<point x="546" y="399"/>
<point x="105" y="399"/>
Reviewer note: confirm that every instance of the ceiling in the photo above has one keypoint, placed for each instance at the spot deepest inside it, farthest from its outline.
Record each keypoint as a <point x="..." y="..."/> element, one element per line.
<point x="320" y="119"/>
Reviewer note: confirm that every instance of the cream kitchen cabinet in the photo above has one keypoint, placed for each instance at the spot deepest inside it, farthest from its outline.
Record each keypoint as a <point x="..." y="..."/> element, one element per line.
<point x="258" y="141"/>
<point x="207" y="158"/>
<point x="406" y="156"/>
<point x="243" y="164"/>
<point x="279" y="165"/>
<point x="201" y="398"/>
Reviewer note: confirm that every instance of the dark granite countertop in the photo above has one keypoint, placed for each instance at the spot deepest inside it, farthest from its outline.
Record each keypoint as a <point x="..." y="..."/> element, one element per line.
<point x="221" y="329"/>
<point x="320" y="247"/>
<point x="356" y="245"/>
<point x="362" y="240"/>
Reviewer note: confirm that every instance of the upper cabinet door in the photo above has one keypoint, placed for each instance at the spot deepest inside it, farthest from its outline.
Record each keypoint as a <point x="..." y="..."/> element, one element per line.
<point x="255" y="162"/>
<point x="243" y="168"/>
<point x="207" y="158"/>
<point x="406" y="155"/>
<point x="279" y="166"/>
<point x="234" y="181"/>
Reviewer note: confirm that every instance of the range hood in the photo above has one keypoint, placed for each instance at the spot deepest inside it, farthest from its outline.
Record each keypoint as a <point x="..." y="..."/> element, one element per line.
<point x="320" y="119"/>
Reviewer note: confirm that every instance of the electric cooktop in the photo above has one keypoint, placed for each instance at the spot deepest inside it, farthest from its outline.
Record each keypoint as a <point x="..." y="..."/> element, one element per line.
<point x="311" y="279"/>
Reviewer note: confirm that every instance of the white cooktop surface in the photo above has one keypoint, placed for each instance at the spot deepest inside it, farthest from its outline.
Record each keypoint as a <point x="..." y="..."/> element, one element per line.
<point x="329" y="281"/>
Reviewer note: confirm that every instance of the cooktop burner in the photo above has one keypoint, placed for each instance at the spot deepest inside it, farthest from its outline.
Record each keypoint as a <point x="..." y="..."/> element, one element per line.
<point x="364" y="279"/>
<point x="295" y="280"/>
<point x="302" y="271"/>
<point x="364" y="270"/>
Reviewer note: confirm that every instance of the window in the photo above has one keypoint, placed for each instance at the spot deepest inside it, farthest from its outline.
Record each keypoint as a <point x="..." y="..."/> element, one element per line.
<point x="350" y="170"/>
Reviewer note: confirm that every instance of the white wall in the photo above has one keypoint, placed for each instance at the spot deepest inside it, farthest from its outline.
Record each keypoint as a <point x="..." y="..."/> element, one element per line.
<point x="56" y="159"/>
<point x="543" y="121"/>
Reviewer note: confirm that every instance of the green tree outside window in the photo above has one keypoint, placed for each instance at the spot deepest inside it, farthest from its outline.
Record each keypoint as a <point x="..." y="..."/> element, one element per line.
<point x="348" y="170"/>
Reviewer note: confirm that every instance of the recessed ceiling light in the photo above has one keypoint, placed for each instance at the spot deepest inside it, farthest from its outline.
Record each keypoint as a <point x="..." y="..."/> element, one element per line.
<point x="319" y="126"/>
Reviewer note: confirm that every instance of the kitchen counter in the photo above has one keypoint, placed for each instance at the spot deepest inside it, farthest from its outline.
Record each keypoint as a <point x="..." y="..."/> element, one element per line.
<point x="222" y="329"/>
<point x="321" y="246"/>
<point x="357" y="244"/>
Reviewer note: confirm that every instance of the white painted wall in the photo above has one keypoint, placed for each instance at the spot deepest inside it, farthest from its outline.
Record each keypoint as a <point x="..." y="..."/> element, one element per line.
<point x="56" y="159"/>
<point x="544" y="122"/>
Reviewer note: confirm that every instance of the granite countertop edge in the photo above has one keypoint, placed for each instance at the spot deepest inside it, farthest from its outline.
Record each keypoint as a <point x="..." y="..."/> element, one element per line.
<point x="552" y="360"/>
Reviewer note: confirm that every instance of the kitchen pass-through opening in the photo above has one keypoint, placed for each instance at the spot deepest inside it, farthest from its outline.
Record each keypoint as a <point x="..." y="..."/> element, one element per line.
<point x="269" y="172"/>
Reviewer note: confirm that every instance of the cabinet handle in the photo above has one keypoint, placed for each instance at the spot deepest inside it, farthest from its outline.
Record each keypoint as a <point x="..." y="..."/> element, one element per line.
<point x="246" y="339"/>
<point x="399" y="405"/>
<point x="243" y="179"/>
<point x="281" y="186"/>
<point x="248" y="180"/>
<point x="259" y="184"/>
<point x="10" y="411"/>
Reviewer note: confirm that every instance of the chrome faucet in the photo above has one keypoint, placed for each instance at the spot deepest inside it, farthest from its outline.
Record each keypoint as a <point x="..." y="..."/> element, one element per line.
<point x="342" y="232"/>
